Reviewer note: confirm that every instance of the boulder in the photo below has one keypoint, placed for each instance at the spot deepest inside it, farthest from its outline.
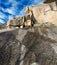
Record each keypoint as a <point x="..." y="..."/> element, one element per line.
<point x="43" y="13"/>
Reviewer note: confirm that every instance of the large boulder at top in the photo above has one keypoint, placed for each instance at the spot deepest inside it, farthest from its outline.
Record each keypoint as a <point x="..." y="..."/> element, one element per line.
<point x="33" y="46"/>
<point x="43" y="13"/>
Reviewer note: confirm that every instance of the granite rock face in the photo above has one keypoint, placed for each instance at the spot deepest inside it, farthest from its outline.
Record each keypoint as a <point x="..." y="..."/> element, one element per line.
<point x="33" y="46"/>
<point x="43" y="12"/>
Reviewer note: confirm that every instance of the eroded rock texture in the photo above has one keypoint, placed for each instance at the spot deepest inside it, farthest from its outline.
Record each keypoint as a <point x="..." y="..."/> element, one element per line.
<point x="35" y="46"/>
<point x="43" y="13"/>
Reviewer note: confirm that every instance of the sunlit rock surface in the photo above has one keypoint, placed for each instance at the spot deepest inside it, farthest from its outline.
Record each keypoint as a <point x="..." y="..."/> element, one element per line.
<point x="33" y="46"/>
<point x="43" y="12"/>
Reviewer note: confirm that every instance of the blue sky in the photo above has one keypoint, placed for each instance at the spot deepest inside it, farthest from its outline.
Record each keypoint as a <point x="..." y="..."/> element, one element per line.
<point x="12" y="8"/>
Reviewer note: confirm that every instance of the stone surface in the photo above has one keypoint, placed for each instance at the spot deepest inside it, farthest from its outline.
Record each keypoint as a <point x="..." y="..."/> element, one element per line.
<point x="43" y="13"/>
<point x="37" y="46"/>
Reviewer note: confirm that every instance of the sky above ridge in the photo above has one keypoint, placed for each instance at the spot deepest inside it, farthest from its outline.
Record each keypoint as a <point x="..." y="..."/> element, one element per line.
<point x="12" y="8"/>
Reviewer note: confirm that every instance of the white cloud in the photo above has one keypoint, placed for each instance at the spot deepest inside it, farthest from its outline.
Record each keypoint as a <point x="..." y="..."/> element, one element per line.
<point x="13" y="10"/>
<point x="2" y="15"/>
<point x="10" y="17"/>
<point x="2" y="21"/>
<point x="35" y="2"/>
<point x="10" y="10"/>
<point x="3" y="18"/>
<point x="22" y="13"/>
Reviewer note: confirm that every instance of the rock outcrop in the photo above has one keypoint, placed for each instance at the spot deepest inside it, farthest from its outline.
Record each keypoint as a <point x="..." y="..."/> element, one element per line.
<point x="17" y="22"/>
<point x="43" y="13"/>
<point x="36" y="46"/>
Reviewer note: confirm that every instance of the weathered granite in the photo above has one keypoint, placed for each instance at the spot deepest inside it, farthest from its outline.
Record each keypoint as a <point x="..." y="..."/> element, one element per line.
<point x="43" y="13"/>
<point x="33" y="46"/>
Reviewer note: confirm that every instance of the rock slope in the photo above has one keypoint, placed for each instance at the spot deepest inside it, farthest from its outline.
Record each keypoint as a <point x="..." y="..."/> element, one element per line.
<point x="31" y="46"/>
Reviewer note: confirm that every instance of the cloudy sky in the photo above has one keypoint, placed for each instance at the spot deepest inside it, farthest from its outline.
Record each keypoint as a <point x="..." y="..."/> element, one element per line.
<point x="12" y="8"/>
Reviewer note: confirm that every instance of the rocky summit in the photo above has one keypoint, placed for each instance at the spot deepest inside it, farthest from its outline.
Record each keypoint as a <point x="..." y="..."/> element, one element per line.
<point x="30" y="40"/>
